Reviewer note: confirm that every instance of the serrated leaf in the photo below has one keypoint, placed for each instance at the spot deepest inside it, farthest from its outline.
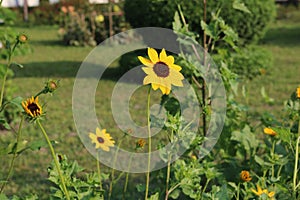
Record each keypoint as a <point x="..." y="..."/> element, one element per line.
<point x="176" y="23"/>
<point x="240" y="6"/>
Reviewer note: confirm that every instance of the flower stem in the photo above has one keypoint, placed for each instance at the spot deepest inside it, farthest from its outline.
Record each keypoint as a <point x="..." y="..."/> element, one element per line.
<point x="149" y="144"/>
<point x="113" y="171"/>
<point x="238" y="191"/>
<point x="273" y="156"/>
<point x="126" y="179"/>
<point x="15" y="154"/>
<point x="55" y="159"/>
<point x="99" y="175"/>
<point x="296" y="167"/>
<point x="11" y="51"/>
<point x="168" y="177"/>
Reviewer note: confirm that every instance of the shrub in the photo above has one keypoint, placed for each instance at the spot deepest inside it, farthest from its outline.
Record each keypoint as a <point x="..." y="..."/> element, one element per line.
<point x="250" y="27"/>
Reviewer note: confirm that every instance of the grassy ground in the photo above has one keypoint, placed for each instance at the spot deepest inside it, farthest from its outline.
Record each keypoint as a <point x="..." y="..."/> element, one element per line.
<point x="52" y="60"/>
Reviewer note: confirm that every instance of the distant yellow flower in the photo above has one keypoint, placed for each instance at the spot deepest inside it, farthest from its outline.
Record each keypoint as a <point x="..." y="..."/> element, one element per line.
<point x="99" y="18"/>
<point x="64" y="9"/>
<point x="298" y="92"/>
<point x="161" y="71"/>
<point x="245" y="176"/>
<point x="269" y="131"/>
<point x="259" y="192"/>
<point x="32" y="107"/>
<point x="102" y="139"/>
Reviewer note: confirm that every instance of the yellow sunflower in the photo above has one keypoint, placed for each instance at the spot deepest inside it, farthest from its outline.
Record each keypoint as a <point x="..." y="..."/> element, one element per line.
<point x="161" y="71"/>
<point x="298" y="92"/>
<point x="102" y="139"/>
<point x="269" y="131"/>
<point x="32" y="107"/>
<point x="259" y="192"/>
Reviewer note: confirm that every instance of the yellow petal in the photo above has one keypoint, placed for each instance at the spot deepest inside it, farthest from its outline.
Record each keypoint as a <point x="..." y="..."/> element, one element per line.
<point x="147" y="80"/>
<point x="271" y="194"/>
<point x="153" y="55"/>
<point x="169" y="60"/>
<point x="148" y="70"/>
<point x="163" y="55"/>
<point x="163" y="89"/>
<point x="154" y="86"/>
<point x="145" y="61"/>
<point x="175" y="67"/>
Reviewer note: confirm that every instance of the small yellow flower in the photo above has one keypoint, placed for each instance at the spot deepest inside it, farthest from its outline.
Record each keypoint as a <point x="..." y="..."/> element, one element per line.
<point x="140" y="144"/>
<point x="298" y="92"/>
<point x="259" y="192"/>
<point x="32" y="107"/>
<point x="161" y="71"/>
<point x="245" y="176"/>
<point x="102" y="139"/>
<point x="269" y="131"/>
<point x="22" y="38"/>
<point x="99" y="18"/>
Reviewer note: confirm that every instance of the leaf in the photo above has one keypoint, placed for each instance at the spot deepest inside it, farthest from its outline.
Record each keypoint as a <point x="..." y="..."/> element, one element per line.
<point x="209" y="29"/>
<point x="154" y="196"/>
<point x="261" y="162"/>
<point x="17" y="102"/>
<point x="37" y="145"/>
<point x="140" y="187"/>
<point x="4" y="123"/>
<point x="18" y="64"/>
<point x="175" y="194"/>
<point x="246" y="138"/>
<point x="177" y="23"/>
<point x="240" y="6"/>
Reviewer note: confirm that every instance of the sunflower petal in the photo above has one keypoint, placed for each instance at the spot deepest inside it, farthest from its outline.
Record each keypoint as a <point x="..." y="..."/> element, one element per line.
<point x="154" y="86"/>
<point x="163" y="55"/>
<point x="148" y="70"/>
<point x="153" y="55"/>
<point x="169" y="60"/>
<point x="175" y="67"/>
<point x="145" y="61"/>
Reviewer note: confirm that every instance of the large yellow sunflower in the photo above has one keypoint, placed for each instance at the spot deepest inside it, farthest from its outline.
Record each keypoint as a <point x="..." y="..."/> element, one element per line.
<point x="161" y="71"/>
<point x="102" y="139"/>
<point x="32" y="107"/>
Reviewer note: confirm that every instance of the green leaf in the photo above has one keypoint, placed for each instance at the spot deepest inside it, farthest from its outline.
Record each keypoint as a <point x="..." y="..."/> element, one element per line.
<point x="261" y="162"/>
<point x="17" y="102"/>
<point x="177" y="23"/>
<point x="37" y="145"/>
<point x="18" y="65"/>
<point x="140" y="187"/>
<point x="4" y="123"/>
<point x="154" y="196"/>
<point x="175" y="194"/>
<point x="238" y="5"/>
<point x="209" y="29"/>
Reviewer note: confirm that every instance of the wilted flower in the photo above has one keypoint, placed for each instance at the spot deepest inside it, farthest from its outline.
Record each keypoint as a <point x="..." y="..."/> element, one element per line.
<point x="245" y="176"/>
<point x="140" y="144"/>
<point x="32" y="107"/>
<point x="269" y="131"/>
<point x="161" y="71"/>
<point x="22" y="38"/>
<point x="102" y="139"/>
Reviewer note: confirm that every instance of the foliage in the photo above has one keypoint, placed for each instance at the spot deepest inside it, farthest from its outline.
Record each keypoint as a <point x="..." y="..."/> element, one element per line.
<point x="250" y="26"/>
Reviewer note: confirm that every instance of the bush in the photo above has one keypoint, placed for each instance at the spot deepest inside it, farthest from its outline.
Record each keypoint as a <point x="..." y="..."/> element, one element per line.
<point x="250" y="27"/>
<point x="251" y="62"/>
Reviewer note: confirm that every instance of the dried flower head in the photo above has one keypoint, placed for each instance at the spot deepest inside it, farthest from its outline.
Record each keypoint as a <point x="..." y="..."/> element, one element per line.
<point x="245" y="176"/>
<point x="140" y="144"/>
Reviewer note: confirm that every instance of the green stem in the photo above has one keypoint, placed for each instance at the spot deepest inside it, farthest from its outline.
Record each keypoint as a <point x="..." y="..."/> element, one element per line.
<point x="205" y="186"/>
<point x="113" y="171"/>
<point x="168" y="170"/>
<point x="273" y="156"/>
<point x="149" y="144"/>
<point x="173" y="188"/>
<point x="15" y="154"/>
<point x="127" y="178"/>
<point x="296" y="166"/>
<point x="238" y="191"/>
<point x="99" y="175"/>
<point x="57" y="165"/>
<point x="6" y="71"/>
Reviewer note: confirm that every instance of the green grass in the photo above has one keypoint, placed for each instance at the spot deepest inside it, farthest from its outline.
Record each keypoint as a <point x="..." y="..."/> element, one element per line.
<point x="52" y="60"/>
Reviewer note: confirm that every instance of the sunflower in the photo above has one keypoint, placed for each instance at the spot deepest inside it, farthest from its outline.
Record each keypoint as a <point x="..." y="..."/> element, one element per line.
<point x="102" y="139"/>
<point x="269" y="131"/>
<point x="259" y="192"/>
<point x="161" y="71"/>
<point x="298" y="92"/>
<point x="245" y="176"/>
<point x="32" y="107"/>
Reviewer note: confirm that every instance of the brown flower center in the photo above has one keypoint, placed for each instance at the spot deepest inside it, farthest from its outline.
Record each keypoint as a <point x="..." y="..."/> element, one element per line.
<point x="34" y="109"/>
<point x="100" y="140"/>
<point x="161" y="69"/>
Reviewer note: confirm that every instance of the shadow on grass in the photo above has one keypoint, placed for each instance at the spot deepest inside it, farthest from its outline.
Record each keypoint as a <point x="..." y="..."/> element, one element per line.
<point x="283" y="36"/>
<point x="65" y="69"/>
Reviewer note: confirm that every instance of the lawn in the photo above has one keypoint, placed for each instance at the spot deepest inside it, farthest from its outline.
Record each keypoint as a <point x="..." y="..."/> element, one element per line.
<point x="50" y="59"/>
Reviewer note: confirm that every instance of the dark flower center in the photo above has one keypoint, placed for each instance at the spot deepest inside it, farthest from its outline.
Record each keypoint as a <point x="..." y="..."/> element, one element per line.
<point x="161" y="69"/>
<point x="33" y="107"/>
<point x="100" y="139"/>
